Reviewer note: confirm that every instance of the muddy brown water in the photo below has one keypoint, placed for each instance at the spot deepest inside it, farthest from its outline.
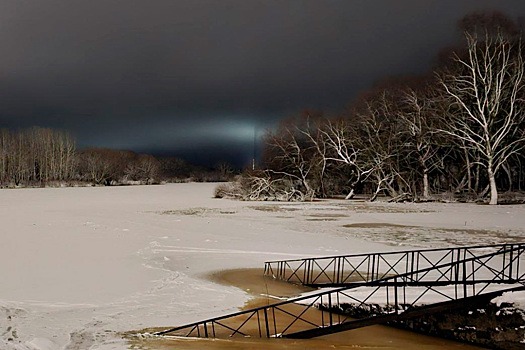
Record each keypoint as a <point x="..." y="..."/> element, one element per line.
<point x="263" y="289"/>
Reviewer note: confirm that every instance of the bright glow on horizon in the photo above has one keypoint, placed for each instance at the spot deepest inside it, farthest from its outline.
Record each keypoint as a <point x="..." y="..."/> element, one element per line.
<point x="176" y="135"/>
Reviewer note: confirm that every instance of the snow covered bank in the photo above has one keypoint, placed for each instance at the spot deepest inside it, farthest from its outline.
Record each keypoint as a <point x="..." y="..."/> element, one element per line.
<point x="79" y="265"/>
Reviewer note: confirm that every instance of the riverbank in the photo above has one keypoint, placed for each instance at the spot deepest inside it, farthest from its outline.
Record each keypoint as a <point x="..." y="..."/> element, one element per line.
<point x="80" y="266"/>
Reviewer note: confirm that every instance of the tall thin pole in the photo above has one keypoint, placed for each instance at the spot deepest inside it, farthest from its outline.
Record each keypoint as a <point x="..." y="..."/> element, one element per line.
<point x="254" y="147"/>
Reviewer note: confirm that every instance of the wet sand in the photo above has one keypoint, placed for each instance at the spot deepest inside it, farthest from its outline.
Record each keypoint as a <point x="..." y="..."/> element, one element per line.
<point x="264" y="291"/>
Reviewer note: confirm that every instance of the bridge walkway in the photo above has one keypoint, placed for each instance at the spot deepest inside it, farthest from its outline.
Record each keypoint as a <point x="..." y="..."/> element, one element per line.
<point x="398" y="281"/>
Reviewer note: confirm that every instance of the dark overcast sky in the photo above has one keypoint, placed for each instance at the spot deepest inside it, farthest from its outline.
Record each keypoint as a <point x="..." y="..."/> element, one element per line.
<point x="194" y="77"/>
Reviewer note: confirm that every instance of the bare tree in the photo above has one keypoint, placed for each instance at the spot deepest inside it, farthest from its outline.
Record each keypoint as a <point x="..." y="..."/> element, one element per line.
<point x="225" y="171"/>
<point x="103" y="166"/>
<point x="487" y="96"/>
<point x="383" y="143"/>
<point x="5" y="149"/>
<point x="312" y="130"/>
<point x="142" y="167"/>
<point x="292" y="154"/>
<point x="343" y="147"/>
<point x="418" y="120"/>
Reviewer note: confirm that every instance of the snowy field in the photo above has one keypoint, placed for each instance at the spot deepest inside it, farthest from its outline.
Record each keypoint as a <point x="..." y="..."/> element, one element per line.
<point x="80" y="265"/>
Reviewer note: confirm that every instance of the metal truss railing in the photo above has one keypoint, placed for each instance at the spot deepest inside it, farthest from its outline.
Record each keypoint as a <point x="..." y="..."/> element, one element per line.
<point x="402" y="306"/>
<point x="442" y="283"/>
<point x="365" y="268"/>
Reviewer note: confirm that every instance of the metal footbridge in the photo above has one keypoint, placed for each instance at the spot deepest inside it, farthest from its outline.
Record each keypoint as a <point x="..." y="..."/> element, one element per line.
<point x="388" y="286"/>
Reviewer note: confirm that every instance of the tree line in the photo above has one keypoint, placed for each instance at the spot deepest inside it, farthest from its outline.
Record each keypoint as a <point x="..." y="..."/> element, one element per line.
<point x="36" y="155"/>
<point x="459" y="130"/>
<point x="42" y="157"/>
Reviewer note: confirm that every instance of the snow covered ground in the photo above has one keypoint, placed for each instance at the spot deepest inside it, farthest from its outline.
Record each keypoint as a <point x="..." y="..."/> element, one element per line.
<point x="79" y="265"/>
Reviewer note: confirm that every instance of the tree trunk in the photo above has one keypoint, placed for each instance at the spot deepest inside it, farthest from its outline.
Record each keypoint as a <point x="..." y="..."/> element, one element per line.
<point x="426" y="187"/>
<point x="469" y="171"/>
<point x="476" y="184"/>
<point x="493" y="188"/>
<point x="378" y="189"/>
<point x="508" y="171"/>
<point x="309" y="191"/>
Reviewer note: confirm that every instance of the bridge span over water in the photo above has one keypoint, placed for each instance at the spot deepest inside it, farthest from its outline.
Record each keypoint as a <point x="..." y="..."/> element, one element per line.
<point x="390" y="286"/>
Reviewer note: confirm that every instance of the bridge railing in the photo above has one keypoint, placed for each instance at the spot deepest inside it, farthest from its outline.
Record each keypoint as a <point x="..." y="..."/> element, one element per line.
<point x="365" y="268"/>
<point x="454" y="280"/>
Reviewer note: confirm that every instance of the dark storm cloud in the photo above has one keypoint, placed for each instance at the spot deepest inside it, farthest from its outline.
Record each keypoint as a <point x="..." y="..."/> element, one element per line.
<point x="178" y="76"/>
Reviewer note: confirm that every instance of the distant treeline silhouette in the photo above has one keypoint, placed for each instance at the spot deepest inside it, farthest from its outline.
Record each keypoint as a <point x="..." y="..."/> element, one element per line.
<point x="42" y="157"/>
